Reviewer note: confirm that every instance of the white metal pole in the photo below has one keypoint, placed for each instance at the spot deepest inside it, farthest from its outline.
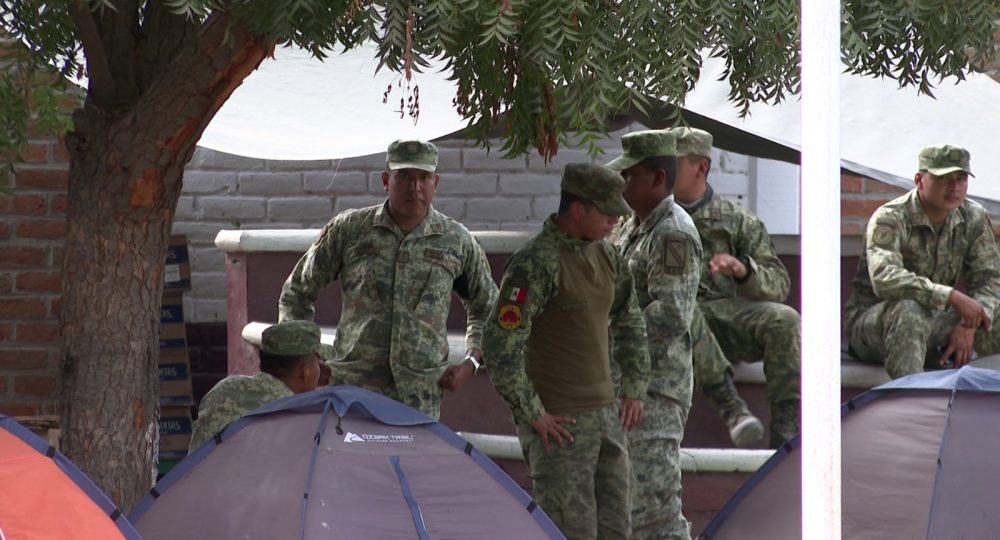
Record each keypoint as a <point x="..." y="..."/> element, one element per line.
<point x="820" y="188"/>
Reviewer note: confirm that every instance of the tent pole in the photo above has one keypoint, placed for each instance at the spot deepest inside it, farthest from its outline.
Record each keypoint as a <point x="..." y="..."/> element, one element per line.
<point x="820" y="189"/>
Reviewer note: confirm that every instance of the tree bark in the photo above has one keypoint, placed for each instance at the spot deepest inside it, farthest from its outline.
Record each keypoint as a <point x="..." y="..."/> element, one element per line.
<point x="126" y="168"/>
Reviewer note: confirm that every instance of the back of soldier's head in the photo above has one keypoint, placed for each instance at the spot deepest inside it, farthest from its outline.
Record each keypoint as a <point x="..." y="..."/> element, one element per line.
<point x="286" y="344"/>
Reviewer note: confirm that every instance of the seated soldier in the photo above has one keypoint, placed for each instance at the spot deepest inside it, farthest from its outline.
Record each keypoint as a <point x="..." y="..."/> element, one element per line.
<point x="289" y="364"/>
<point x="904" y="310"/>
<point x="740" y="314"/>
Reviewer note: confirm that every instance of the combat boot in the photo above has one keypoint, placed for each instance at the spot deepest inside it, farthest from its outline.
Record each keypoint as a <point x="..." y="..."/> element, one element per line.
<point x="784" y="422"/>
<point x="744" y="428"/>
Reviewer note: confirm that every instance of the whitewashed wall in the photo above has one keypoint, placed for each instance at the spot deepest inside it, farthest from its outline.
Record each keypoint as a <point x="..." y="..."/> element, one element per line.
<point x="478" y="188"/>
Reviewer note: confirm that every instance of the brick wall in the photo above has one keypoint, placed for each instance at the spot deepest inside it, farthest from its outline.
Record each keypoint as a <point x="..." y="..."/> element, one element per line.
<point x="32" y="230"/>
<point x="859" y="197"/>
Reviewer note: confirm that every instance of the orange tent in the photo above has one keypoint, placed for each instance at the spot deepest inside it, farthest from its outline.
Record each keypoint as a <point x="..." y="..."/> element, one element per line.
<point x="44" y="496"/>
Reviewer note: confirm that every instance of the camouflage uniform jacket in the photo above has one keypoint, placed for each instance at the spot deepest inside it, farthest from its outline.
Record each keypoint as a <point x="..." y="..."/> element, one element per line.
<point x="726" y="227"/>
<point x="906" y="258"/>
<point x="537" y="263"/>
<point x="396" y="288"/>
<point x="232" y="398"/>
<point x="664" y="254"/>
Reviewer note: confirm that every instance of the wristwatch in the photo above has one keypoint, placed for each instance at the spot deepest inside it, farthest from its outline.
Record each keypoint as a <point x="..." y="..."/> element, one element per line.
<point x="476" y="364"/>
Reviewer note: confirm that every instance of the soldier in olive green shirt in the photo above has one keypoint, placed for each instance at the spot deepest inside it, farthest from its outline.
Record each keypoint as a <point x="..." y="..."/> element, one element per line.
<point x="398" y="264"/>
<point x="905" y="310"/>
<point x="663" y="252"/>
<point x="563" y="296"/>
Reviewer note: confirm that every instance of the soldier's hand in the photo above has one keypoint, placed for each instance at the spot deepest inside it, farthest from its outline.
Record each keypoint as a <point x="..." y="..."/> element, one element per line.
<point x="455" y="375"/>
<point x="960" y="343"/>
<point x="973" y="314"/>
<point x="727" y="265"/>
<point x="549" y="425"/>
<point x="631" y="413"/>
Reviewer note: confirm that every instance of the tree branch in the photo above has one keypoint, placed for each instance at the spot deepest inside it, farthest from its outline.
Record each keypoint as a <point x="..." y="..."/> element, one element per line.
<point x="102" y="83"/>
<point x="163" y="33"/>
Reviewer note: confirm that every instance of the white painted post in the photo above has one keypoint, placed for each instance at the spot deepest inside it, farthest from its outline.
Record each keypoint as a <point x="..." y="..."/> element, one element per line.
<point x="820" y="188"/>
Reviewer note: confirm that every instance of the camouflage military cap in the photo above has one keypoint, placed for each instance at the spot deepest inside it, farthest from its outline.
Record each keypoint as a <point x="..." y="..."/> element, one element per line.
<point x="693" y="142"/>
<point x="290" y="338"/>
<point x="944" y="159"/>
<point x="598" y="183"/>
<point x="412" y="154"/>
<point x="644" y="144"/>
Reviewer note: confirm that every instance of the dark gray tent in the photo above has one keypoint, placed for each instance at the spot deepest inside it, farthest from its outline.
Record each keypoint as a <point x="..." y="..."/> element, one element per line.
<point x="919" y="460"/>
<point x="338" y="462"/>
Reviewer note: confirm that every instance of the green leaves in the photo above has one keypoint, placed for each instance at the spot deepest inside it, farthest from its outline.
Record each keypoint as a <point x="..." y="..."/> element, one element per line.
<point x="533" y="70"/>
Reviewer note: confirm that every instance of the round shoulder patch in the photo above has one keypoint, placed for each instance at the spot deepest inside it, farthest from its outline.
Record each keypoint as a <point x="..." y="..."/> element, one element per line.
<point x="883" y="235"/>
<point x="510" y="316"/>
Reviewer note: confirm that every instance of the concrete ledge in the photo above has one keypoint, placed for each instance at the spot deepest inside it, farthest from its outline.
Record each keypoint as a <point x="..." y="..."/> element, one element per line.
<point x="456" y="342"/>
<point x="853" y="374"/>
<point x="693" y="460"/>
<point x="299" y="240"/>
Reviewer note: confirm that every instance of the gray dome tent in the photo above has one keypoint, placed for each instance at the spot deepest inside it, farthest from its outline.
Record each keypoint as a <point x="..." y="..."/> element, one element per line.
<point x="338" y="462"/>
<point x="919" y="460"/>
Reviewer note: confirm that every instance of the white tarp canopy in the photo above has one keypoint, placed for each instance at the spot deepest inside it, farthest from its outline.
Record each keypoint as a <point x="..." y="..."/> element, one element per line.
<point x="883" y="127"/>
<point x="297" y="107"/>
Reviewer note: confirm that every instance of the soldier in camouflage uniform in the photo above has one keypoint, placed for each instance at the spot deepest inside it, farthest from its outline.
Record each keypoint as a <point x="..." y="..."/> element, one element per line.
<point x="398" y="263"/>
<point x="663" y="252"/>
<point x="739" y="315"/>
<point x="563" y="295"/>
<point x="904" y="310"/>
<point x="289" y="364"/>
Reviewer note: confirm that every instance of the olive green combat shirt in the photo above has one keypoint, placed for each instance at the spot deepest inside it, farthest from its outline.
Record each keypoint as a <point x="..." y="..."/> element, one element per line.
<point x="906" y="256"/>
<point x="726" y="227"/>
<point x="396" y="287"/>
<point x="546" y="344"/>
<point x="231" y="398"/>
<point x="664" y="255"/>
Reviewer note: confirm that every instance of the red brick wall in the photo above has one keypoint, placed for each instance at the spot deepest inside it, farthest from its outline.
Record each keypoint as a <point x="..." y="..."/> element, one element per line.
<point x="859" y="197"/>
<point x="32" y="230"/>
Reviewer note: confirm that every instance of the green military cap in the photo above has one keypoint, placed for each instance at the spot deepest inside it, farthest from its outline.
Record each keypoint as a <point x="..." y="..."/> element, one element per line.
<point x="598" y="183"/>
<point x="412" y="154"/>
<point x="944" y="159"/>
<point x="693" y="142"/>
<point x="290" y="338"/>
<point x="640" y="145"/>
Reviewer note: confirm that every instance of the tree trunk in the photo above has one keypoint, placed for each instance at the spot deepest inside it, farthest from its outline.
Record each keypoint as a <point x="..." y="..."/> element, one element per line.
<point x="126" y="166"/>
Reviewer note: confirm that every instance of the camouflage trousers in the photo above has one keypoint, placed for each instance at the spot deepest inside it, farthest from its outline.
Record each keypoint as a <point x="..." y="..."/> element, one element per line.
<point x="906" y="337"/>
<point x="416" y="389"/>
<point x="654" y="447"/>
<point x="747" y="330"/>
<point x="583" y="487"/>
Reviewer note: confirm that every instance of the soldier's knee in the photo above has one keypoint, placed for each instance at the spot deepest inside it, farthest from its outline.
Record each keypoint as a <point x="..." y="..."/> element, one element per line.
<point x="786" y="316"/>
<point x="908" y="312"/>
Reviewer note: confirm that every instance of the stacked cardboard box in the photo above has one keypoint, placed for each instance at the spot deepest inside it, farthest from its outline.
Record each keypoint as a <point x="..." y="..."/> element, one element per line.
<point x="176" y="397"/>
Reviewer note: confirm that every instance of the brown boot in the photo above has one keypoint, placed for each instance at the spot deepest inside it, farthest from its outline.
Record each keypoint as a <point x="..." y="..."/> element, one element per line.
<point x="744" y="428"/>
<point x="784" y="422"/>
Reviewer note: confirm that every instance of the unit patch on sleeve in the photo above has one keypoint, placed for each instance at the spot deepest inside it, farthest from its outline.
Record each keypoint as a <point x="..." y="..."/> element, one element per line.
<point x="510" y="316"/>
<point x="674" y="255"/>
<point x="883" y="235"/>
